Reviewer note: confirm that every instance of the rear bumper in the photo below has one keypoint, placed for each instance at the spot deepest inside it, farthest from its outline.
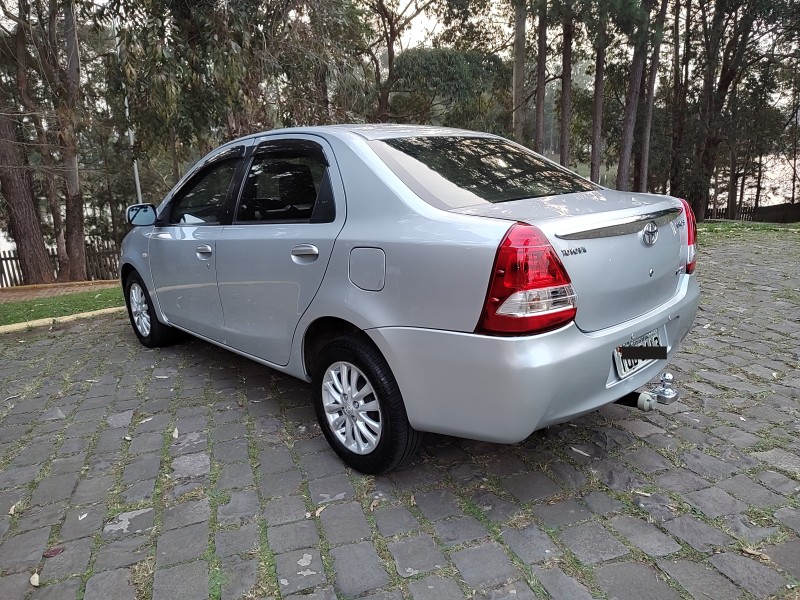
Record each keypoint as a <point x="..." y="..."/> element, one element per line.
<point x="502" y="389"/>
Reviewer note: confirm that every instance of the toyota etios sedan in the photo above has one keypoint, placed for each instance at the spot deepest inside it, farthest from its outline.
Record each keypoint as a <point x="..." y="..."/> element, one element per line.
<point x="421" y="278"/>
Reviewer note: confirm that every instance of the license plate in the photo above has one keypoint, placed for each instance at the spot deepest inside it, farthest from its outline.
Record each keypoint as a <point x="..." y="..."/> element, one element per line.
<point x="629" y="366"/>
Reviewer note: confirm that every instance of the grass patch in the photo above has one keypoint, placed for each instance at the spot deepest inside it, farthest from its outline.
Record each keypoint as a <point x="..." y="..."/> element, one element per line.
<point x="713" y="229"/>
<point x="59" y="306"/>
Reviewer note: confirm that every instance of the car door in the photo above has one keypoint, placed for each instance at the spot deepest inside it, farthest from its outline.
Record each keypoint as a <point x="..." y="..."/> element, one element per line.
<point x="272" y="258"/>
<point x="183" y="245"/>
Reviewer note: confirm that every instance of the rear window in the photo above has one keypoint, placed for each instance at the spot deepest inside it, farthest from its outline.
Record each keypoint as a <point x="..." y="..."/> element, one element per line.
<point x="455" y="172"/>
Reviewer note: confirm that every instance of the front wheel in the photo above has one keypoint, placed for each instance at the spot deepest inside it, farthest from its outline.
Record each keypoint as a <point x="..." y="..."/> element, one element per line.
<point x="150" y="331"/>
<point x="359" y="407"/>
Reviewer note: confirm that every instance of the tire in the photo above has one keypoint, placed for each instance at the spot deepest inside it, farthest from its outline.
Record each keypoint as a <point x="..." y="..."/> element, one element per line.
<point x="150" y="331"/>
<point x="355" y="361"/>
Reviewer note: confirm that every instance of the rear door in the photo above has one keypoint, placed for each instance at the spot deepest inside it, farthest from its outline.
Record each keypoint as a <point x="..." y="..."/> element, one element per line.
<point x="272" y="258"/>
<point x="182" y="247"/>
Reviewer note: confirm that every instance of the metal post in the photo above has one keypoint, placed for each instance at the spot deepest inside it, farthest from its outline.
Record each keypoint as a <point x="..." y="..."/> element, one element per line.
<point x="128" y="119"/>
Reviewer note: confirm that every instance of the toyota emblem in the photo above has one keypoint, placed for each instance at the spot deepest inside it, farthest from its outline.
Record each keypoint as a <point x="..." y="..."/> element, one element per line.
<point x="650" y="233"/>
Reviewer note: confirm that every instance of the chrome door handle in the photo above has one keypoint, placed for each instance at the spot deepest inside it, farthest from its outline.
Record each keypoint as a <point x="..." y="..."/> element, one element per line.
<point x="204" y="249"/>
<point x="305" y="250"/>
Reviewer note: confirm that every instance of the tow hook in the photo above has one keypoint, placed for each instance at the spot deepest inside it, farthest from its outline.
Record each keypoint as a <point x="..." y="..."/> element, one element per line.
<point x="662" y="394"/>
<point x="647" y="400"/>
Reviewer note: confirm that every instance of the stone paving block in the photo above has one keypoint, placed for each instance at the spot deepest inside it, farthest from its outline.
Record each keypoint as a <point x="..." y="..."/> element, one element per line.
<point x="681" y="480"/>
<point x="114" y="585"/>
<point x="68" y="464"/>
<point x="778" y="482"/>
<point x="236" y="475"/>
<point x="245" y="540"/>
<point x="311" y="445"/>
<point x="648" y="461"/>
<point x="181" y="545"/>
<point x="299" y="570"/>
<point x="645" y="536"/>
<point x="119" y="419"/>
<point x="602" y="504"/>
<point x="700" y="536"/>
<point x="186" y="513"/>
<point x="485" y="566"/>
<point x="293" y="536"/>
<point x="121" y="553"/>
<point x="24" y="550"/>
<point x="129" y="523"/>
<point x="566" y="475"/>
<point x="321" y="464"/>
<point x="758" y="579"/>
<point x="325" y="593"/>
<point x="190" y="442"/>
<point x="495" y="509"/>
<point x="40" y="516"/>
<point x="735" y="436"/>
<point x="146" y="442"/>
<point x="241" y="575"/>
<point x="504" y="464"/>
<point x="72" y="561"/>
<point x="54" y="488"/>
<point x="781" y="459"/>
<point x="701" y="581"/>
<point x="633" y="581"/>
<point x="14" y="587"/>
<point x="140" y="491"/>
<point x="285" y="510"/>
<point x="275" y="460"/>
<point x="592" y="543"/>
<point x="789" y="517"/>
<point x="144" y="466"/>
<point x="714" y="502"/>
<point x="751" y="492"/>
<point x="561" y="513"/>
<point x="530" y="544"/>
<point x="435" y="588"/>
<point x="518" y="590"/>
<point x="531" y="486"/>
<point x="394" y="520"/>
<point x="561" y="586"/>
<point x="707" y="466"/>
<point x="92" y="489"/>
<point x="438" y="504"/>
<point x="228" y="431"/>
<point x="184" y="582"/>
<point x="191" y="465"/>
<point x="63" y="590"/>
<point x="787" y="556"/>
<point x="416" y="476"/>
<point x="417" y="554"/>
<point x="617" y="476"/>
<point x="344" y="523"/>
<point x="741" y="527"/>
<point x="285" y="483"/>
<point x="467" y="473"/>
<point x="331" y="489"/>
<point x="358" y="569"/>
<point x="459" y="530"/>
<point x="639" y="427"/>
<point x="241" y="508"/>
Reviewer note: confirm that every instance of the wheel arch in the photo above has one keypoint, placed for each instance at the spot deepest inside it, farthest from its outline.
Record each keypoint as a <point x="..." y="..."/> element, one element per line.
<point x="321" y="331"/>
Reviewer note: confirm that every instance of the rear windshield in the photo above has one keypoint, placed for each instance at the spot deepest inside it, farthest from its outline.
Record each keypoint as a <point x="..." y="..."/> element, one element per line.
<point x="455" y="172"/>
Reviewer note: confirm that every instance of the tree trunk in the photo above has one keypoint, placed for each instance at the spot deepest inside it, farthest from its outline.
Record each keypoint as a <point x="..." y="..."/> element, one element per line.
<point x="566" y="88"/>
<point x="637" y="134"/>
<point x="518" y="95"/>
<point x="731" y="210"/>
<point x="676" y="177"/>
<point x="759" y="180"/>
<point x="644" y="163"/>
<point x="76" y="243"/>
<point x="597" y="106"/>
<point x="173" y="152"/>
<point x="541" y="71"/>
<point x="632" y="101"/>
<point x="23" y="218"/>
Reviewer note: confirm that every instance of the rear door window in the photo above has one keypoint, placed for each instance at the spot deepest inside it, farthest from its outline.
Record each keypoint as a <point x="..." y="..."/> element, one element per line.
<point x="455" y="172"/>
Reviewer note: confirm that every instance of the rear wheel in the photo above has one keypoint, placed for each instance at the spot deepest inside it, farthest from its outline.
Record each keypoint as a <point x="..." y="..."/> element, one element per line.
<point x="359" y="407"/>
<point x="150" y="331"/>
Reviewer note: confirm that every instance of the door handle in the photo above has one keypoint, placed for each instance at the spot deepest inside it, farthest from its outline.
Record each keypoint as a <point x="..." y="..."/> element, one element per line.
<point x="305" y="250"/>
<point x="203" y="251"/>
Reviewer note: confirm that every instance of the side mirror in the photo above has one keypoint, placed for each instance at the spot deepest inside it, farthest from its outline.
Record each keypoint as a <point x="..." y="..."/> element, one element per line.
<point x="141" y="214"/>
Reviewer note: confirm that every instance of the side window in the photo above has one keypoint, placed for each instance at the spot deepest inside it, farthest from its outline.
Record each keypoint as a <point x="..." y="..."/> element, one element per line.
<point x="203" y="199"/>
<point x="287" y="182"/>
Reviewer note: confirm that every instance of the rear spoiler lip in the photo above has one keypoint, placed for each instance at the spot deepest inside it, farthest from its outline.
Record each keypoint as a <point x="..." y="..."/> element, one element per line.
<point x="622" y="226"/>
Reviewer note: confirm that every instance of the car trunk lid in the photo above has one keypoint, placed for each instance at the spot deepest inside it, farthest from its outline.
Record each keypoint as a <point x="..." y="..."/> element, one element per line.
<point x="623" y="252"/>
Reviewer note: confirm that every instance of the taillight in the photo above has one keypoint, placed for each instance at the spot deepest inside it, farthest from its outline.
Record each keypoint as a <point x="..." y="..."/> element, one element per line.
<point x="529" y="291"/>
<point x="691" y="237"/>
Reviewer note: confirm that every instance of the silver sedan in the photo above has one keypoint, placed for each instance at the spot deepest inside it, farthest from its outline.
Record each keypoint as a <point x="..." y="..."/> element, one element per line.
<point x="421" y="278"/>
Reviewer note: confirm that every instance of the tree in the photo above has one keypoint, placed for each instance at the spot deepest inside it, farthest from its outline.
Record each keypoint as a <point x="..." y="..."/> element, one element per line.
<point x="568" y="31"/>
<point x="541" y="73"/>
<point x="520" y="110"/>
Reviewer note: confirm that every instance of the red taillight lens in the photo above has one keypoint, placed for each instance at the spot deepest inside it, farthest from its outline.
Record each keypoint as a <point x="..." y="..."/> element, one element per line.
<point x="691" y="237"/>
<point x="529" y="291"/>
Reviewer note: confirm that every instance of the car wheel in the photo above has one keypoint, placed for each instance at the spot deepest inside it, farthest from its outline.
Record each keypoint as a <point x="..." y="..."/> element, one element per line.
<point x="359" y="407"/>
<point x="150" y="331"/>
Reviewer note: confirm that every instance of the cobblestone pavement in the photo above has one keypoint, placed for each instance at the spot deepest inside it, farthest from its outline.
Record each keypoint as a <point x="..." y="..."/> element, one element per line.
<point x="192" y="473"/>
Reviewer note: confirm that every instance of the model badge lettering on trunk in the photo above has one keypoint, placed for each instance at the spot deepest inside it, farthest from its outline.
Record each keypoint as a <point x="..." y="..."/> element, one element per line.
<point x="573" y="251"/>
<point x="650" y="233"/>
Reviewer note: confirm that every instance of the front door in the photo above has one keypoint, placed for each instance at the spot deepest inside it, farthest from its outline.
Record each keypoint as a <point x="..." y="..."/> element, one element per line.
<point x="183" y="250"/>
<point x="271" y="259"/>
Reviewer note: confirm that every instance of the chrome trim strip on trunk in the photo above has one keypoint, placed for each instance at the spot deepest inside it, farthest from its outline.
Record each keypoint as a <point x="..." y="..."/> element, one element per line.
<point x="622" y="226"/>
